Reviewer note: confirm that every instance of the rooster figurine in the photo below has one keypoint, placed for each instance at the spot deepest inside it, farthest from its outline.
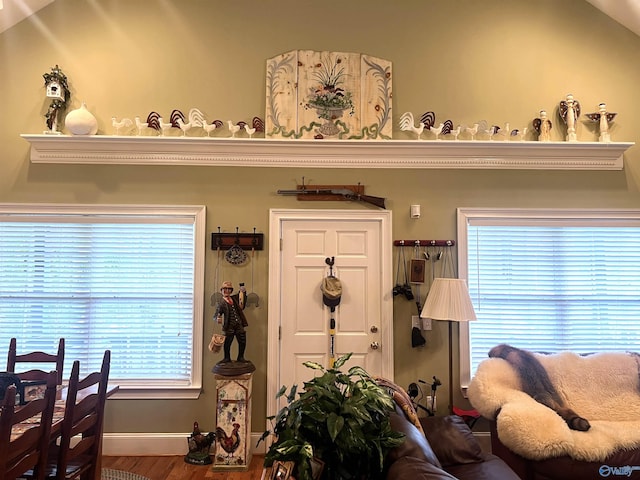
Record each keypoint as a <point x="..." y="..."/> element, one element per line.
<point x="407" y="123"/>
<point x="233" y="128"/>
<point x="229" y="443"/>
<point x="199" y="446"/>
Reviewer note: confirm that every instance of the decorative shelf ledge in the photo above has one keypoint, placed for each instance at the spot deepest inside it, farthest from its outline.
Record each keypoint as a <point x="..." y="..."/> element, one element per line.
<point x="260" y="152"/>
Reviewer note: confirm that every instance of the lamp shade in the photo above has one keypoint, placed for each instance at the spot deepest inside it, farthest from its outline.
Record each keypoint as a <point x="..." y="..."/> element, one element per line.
<point x="449" y="299"/>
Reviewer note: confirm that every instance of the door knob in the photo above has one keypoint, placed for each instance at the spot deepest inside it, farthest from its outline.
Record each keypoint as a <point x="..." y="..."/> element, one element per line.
<point x="374" y="329"/>
<point x="375" y="345"/>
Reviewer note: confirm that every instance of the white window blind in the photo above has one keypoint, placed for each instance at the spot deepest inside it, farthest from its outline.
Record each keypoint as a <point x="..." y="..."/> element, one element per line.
<point x="552" y="281"/>
<point x="129" y="280"/>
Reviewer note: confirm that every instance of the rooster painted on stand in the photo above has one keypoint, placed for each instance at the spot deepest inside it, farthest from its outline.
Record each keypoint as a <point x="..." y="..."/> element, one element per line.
<point x="229" y="443"/>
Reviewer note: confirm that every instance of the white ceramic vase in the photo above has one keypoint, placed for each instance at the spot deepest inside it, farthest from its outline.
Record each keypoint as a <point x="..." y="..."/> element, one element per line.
<point x="81" y="121"/>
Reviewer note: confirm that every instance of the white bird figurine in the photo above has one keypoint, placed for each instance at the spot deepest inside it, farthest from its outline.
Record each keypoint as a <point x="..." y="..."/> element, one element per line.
<point x="506" y="131"/>
<point x="196" y="118"/>
<point x="233" y="128"/>
<point x="124" y="123"/>
<point x="184" y="126"/>
<point x="250" y="131"/>
<point x="407" y="124"/>
<point x="164" y="127"/>
<point x="140" y="126"/>
<point x="456" y="132"/>
<point x="491" y="131"/>
<point x="437" y="130"/>
<point x="209" y="127"/>
<point x="473" y="131"/>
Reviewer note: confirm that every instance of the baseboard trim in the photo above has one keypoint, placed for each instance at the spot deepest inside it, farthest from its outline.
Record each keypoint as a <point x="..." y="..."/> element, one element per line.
<point x="156" y="444"/>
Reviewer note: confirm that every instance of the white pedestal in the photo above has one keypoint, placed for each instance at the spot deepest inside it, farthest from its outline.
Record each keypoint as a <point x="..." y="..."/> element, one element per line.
<point x="233" y="417"/>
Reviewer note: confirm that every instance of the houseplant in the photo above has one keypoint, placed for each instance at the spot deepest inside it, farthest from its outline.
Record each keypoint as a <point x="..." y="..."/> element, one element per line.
<point x="340" y="418"/>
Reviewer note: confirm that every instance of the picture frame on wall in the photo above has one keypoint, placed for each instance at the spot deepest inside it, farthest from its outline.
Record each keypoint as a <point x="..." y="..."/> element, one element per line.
<point x="417" y="269"/>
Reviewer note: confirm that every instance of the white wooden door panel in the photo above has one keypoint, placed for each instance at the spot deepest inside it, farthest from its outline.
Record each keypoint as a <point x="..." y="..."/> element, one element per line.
<point x="299" y="322"/>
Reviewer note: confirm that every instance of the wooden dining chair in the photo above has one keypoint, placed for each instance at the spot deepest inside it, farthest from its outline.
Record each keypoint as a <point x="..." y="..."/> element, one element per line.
<point x="83" y="418"/>
<point x="13" y="359"/>
<point x="28" y="449"/>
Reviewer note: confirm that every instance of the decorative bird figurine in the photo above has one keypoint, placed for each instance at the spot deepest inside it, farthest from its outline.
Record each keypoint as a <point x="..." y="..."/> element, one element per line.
<point x="258" y="124"/>
<point x="519" y="133"/>
<point x="604" y="118"/>
<point x="233" y="128"/>
<point x="164" y="127"/>
<point x="437" y="130"/>
<point x="407" y="124"/>
<point x="473" y="131"/>
<point x="210" y="127"/>
<point x="231" y="442"/>
<point x="196" y="118"/>
<point x="185" y="127"/>
<point x="140" y="126"/>
<point x="506" y="131"/>
<point x="250" y="130"/>
<point x="124" y="123"/>
<point x="199" y="446"/>
<point x="455" y="132"/>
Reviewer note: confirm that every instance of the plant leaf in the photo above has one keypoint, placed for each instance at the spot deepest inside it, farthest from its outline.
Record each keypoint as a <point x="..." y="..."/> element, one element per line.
<point x="341" y="361"/>
<point x="313" y="365"/>
<point x="334" y="425"/>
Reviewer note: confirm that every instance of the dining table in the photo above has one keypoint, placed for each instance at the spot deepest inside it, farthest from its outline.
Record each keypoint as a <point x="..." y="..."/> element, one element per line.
<point x="58" y="410"/>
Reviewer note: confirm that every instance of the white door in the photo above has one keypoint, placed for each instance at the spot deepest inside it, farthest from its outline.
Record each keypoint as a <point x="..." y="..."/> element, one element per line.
<point x="300" y="243"/>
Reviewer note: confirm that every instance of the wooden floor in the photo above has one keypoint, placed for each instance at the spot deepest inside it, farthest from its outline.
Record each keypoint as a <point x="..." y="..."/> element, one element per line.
<point x="174" y="468"/>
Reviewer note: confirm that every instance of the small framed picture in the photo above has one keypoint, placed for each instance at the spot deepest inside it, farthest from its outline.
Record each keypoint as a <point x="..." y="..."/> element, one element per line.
<point x="417" y="268"/>
<point x="317" y="466"/>
<point x="281" y="470"/>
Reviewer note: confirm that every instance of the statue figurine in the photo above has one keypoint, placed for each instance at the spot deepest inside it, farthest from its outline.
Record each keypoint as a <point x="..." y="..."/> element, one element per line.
<point x="603" y="118"/>
<point x="543" y="126"/>
<point x="570" y="111"/>
<point x="199" y="446"/>
<point x="229" y="313"/>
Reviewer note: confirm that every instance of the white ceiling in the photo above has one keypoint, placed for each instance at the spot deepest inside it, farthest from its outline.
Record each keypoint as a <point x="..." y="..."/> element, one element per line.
<point x="625" y="12"/>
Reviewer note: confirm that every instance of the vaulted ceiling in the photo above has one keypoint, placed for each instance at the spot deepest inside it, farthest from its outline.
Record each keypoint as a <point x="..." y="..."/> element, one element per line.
<point x="625" y="12"/>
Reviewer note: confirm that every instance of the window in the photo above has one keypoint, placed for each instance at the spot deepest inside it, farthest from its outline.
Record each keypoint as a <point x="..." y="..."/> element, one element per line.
<point x="125" y="278"/>
<point x="549" y="280"/>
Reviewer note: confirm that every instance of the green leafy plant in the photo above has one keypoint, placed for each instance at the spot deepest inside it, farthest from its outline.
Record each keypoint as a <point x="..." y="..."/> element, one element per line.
<point x="340" y="418"/>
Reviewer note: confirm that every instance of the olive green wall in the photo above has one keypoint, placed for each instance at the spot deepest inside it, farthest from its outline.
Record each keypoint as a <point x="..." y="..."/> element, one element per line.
<point x="499" y="60"/>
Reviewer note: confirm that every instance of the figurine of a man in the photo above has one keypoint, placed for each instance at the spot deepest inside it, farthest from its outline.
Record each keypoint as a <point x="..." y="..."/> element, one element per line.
<point x="229" y="313"/>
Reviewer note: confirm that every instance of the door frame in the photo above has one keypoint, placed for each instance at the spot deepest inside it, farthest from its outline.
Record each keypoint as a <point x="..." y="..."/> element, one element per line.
<point x="276" y="219"/>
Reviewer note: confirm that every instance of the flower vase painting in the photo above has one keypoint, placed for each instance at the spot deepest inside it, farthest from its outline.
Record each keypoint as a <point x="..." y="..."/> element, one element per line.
<point x="332" y="95"/>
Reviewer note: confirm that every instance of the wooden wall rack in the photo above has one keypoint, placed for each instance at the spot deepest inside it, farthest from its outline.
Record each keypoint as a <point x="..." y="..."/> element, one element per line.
<point x="424" y="243"/>
<point x="246" y="241"/>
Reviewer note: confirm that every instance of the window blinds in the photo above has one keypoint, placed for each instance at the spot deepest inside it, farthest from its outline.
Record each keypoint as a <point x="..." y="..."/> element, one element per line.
<point x="554" y="284"/>
<point x="125" y="284"/>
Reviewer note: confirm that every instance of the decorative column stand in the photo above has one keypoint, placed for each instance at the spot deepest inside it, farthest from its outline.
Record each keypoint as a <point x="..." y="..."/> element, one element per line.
<point x="233" y="422"/>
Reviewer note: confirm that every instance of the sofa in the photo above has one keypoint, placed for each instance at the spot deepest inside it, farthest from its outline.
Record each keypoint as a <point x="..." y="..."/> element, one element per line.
<point x="537" y="443"/>
<point x="438" y="448"/>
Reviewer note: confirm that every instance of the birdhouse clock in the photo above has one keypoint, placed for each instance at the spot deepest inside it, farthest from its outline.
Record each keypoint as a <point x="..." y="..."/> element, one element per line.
<point x="57" y="90"/>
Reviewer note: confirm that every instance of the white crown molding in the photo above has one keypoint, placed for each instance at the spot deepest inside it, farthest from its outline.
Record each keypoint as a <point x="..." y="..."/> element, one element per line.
<point x="260" y="152"/>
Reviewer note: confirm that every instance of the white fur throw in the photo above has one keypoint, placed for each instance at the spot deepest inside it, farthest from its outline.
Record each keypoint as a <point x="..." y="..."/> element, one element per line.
<point x="604" y="388"/>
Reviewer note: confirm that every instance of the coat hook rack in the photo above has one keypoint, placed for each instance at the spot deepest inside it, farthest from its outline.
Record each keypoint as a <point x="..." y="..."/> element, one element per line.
<point x="424" y="243"/>
<point x="246" y="241"/>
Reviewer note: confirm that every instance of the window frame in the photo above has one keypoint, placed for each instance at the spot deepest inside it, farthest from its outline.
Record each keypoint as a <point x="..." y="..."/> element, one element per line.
<point x="465" y="215"/>
<point x="141" y="389"/>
